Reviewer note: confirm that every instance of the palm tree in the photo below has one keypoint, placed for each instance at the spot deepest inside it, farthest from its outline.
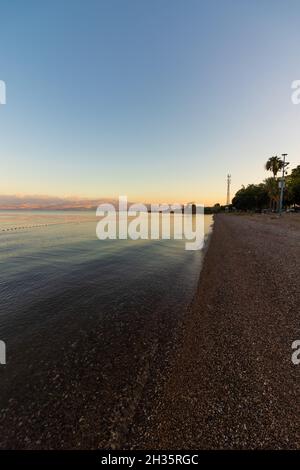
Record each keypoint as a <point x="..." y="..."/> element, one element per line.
<point x="274" y="164"/>
<point x="271" y="186"/>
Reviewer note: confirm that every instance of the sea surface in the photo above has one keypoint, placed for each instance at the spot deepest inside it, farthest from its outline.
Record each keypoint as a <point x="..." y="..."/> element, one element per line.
<point x="83" y="319"/>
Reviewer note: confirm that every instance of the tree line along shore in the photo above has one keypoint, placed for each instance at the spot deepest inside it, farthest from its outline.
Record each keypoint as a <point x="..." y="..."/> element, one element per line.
<point x="265" y="196"/>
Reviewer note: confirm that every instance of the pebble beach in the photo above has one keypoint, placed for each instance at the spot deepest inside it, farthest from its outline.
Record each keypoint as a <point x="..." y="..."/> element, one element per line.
<point x="231" y="383"/>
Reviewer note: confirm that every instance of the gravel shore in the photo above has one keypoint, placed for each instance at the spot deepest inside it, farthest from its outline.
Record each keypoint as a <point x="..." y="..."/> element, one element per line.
<point x="231" y="383"/>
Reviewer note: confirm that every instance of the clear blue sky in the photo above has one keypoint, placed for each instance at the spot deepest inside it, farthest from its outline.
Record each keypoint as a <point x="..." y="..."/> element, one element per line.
<point x="154" y="99"/>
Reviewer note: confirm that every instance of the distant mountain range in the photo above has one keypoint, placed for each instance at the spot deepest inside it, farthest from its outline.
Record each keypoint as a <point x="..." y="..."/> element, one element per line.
<point x="50" y="203"/>
<point x="41" y="202"/>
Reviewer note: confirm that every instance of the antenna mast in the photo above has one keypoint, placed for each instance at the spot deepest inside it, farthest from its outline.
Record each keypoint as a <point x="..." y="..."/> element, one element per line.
<point x="228" y="189"/>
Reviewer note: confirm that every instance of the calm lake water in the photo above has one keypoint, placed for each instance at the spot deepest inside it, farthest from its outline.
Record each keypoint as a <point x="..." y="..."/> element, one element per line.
<point x="43" y="254"/>
<point x="72" y="305"/>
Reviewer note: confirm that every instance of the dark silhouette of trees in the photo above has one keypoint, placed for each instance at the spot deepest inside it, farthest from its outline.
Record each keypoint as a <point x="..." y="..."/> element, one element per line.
<point x="256" y="197"/>
<point x="293" y="186"/>
<point x="253" y="197"/>
<point x="274" y="164"/>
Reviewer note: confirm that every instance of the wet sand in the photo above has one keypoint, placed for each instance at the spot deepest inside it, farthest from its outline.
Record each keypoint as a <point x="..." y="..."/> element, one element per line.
<point x="231" y="383"/>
